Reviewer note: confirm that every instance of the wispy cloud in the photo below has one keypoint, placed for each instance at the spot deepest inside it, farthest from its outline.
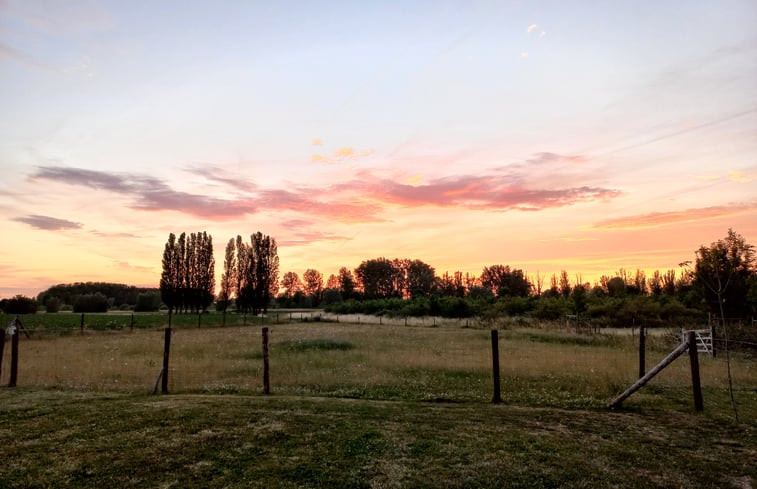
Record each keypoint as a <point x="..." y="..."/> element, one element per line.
<point x="102" y="234"/>
<point x="546" y="157"/>
<point x="48" y="223"/>
<point x="362" y="199"/>
<point x="340" y="155"/>
<point x="532" y="28"/>
<point x="308" y="237"/>
<point x="219" y="175"/>
<point x="657" y="219"/>
<point x="149" y="193"/>
<point x="740" y="177"/>
<point x="485" y="193"/>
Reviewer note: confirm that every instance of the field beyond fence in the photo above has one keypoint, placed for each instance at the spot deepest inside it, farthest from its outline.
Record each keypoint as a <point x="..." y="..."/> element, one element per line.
<point x="446" y="363"/>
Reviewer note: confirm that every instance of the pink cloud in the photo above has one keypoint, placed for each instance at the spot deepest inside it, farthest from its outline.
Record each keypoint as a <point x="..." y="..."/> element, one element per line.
<point x="658" y="219"/>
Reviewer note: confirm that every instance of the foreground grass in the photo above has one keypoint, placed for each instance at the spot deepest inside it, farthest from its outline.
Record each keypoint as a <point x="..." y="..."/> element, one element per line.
<point x="57" y="438"/>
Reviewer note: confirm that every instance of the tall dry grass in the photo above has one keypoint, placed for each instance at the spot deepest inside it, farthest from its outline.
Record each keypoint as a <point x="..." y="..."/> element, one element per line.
<point x="371" y="361"/>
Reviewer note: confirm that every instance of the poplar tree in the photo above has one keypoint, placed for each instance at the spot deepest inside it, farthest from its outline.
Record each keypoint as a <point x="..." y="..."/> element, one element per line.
<point x="228" y="278"/>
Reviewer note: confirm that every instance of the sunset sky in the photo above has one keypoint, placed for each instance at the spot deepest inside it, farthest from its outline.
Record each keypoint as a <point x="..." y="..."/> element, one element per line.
<point x="585" y="136"/>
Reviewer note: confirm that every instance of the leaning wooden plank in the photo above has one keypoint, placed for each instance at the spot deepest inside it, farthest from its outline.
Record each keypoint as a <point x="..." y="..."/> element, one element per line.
<point x="680" y="349"/>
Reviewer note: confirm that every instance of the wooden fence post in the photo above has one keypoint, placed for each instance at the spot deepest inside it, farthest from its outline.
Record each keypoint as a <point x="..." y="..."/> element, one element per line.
<point x="81" y="324"/>
<point x="199" y="319"/>
<point x="166" y="353"/>
<point x="695" y="383"/>
<point x="266" y="367"/>
<point x="132" y="321"/>
<point x="642" y="351"/>
<point x="497" y="398"/>
<point x="14" y="354"/>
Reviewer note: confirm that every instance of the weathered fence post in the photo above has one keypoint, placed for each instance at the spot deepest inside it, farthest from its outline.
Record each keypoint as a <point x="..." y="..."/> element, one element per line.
<point x="14" y="353"/>
<point x="199" y="319"/>
<point x="695" y="383"/>
<point x="166" y="353"/>
<point x="497" y="398"/>
<point x="132" y="322"/>
<point x="642" y="351"/>
<point x="81" y="324"/>
<point x="266" y="367"/>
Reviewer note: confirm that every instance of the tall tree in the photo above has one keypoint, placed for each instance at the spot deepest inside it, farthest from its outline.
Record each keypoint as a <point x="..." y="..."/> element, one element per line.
<point x="346" y="283"/>
<point x="170" y="282"/>
<point x="313" y="284"/>
<point x="291" y="284"/>
<point x="332" y="282"/>
<point x="243" y="286"/>
<point x="503" y="281"/>
<point x="378" y="278"/>
<point x="420" y="278"/>
<point x="264" y="260"/>
<point x="205" y="270"/>
<point x="228" y="278"/>
<point x="722" y="274"/>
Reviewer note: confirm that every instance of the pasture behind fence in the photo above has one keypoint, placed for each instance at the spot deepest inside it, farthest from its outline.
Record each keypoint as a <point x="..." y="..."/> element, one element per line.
<point x="446" y="363"/>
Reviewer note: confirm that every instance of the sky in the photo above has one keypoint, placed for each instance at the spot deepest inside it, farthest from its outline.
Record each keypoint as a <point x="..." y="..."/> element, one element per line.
<point x="547" y="136"/>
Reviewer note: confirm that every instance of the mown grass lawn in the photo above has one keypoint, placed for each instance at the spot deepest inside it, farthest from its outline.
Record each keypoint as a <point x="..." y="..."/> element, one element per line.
<point x="58" y="438"/>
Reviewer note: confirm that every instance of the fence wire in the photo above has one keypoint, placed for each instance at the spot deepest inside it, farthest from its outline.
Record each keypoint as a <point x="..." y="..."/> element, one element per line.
<point x="428" y="359"/>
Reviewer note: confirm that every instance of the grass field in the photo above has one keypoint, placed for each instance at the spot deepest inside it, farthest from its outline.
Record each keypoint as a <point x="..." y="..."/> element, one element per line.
<point x="369" y="406"/>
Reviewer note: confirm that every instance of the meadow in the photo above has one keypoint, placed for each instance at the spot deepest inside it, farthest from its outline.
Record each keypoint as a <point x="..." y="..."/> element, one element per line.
<point x="368" y="405"/>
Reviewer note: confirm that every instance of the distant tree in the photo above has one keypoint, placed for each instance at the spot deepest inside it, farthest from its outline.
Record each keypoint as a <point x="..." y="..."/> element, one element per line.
<point x="205" y="271"/>
<point x="565" y="288"/>
<point x="640" y="282"/>
<point x="291" y="284"/>
<point x="616" y="287"/>
<point x="96" y="302"/>
<point x="346" y="283"/>
<point x="451" y="285"/>
<point x="313" y="284"/>
<point x="505" y="282"/>
<point x="228" y="278"/>
<point x="723" y="273"/>
<point x="478" y="292"/>
<point x="120" y="293"/>
<point x="245" y="279"/>
<point x="147" y="301"/>
<point x="264" y="260"/>
<point x="332" y="282"/>
<point x="170" y="278"/>
<point x="378" y="278"/>
<point x="669" y="283"/>
<point x="655" y="284"/>
<point x="53" y="304"/>
<point x="579" y="298"/>
<point x="419" y="279"/>
<point x="20" y="304"/>
<point x="331" y="296"/>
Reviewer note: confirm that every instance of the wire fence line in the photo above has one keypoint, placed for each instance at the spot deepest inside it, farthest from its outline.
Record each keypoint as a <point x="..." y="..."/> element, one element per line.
<point x="446" y="362"/>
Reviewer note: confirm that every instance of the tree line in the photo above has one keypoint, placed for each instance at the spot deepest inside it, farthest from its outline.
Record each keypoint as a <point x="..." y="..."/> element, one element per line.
<point x="722" y="280"/>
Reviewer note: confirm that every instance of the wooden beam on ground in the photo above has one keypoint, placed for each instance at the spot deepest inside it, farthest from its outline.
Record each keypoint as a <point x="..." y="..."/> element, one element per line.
<point x="680" y="349"/>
